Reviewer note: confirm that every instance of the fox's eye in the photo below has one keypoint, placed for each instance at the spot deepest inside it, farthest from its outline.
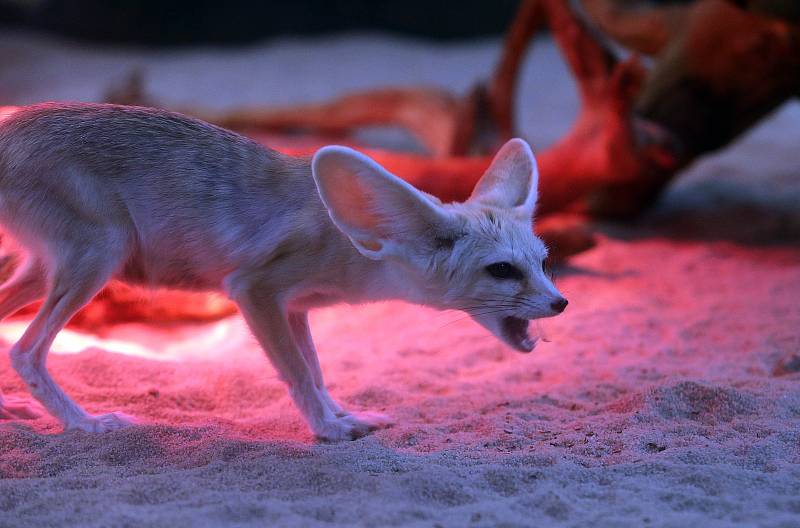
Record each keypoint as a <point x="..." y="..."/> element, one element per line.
<point x="547" y="268"/>
<point x="503" y="270"/>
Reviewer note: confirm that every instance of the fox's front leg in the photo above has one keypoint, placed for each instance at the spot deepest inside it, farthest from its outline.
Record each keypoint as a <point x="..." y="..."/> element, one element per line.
<point x="267" y="318"/>
<point x="298" y="321"/>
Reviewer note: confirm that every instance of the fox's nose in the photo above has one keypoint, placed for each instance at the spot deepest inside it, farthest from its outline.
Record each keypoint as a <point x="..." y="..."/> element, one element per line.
<point x="559" y="305"/>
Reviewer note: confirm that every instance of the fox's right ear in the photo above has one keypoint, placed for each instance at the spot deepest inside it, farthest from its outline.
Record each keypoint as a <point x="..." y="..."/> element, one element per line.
<point x="380" y="213"/>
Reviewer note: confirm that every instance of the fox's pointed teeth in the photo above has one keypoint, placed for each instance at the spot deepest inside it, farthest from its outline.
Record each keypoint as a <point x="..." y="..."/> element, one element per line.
<point x="515" y="333"/>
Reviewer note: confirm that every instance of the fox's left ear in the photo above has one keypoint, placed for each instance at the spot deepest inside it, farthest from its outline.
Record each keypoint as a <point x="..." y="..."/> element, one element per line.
<point x="380" y="213"/>
<point x="512" y="180"/>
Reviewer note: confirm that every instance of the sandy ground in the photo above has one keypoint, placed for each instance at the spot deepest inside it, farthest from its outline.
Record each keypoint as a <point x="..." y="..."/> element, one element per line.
<point x="668" y="393"/>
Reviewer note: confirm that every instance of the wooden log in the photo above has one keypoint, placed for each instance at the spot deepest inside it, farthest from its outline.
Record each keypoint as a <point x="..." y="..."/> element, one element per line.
<point x="637" y="25"/>
<point x="729" y="68"/>
<point x="648" y="28"/>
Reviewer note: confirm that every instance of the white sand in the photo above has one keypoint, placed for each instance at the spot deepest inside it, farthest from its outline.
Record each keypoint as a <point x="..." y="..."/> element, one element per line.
<point x="669" y="394"/>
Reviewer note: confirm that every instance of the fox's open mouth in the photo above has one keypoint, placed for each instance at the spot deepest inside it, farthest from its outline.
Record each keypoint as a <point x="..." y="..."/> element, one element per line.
<point x="515" y="331"/>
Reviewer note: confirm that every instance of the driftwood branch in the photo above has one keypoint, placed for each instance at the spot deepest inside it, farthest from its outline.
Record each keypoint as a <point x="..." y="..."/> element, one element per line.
<point x="726" y="67"/>
<point x="640" y="26"/>
<point x="614" y="160"/>
<point x="430" y="115"/>
<point x="486" y="119"/>
<point x="598" y="151"/>
<point x="648" y="28"/>
<point x="729" y="68"/>
<point x="445" y="124"/>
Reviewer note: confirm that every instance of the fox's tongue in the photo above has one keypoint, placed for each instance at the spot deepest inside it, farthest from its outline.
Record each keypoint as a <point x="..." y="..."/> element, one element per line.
<point x="516" y="331"/>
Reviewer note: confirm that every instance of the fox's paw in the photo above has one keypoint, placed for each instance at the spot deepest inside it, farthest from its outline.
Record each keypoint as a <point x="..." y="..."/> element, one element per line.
<point x="332" y="404"/>
<point x="351" y="426"/>
<point x="102" y="423"/>
<point x="373" y="419"/>
<point x="20" y="409"/>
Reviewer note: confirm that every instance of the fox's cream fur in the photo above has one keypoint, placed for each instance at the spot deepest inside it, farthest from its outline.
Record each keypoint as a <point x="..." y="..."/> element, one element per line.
<point x="97" y="192"/>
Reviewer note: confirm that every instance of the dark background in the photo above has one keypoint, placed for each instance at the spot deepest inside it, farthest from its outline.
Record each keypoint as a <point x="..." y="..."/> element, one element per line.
<point x="165" y="22"/>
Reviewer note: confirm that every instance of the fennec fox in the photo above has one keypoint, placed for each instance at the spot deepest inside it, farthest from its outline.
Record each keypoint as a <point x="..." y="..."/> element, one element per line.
<point x="96" y="192"/>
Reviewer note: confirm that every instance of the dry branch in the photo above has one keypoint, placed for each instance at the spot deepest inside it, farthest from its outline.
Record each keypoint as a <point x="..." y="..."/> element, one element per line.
<point x="716" y="75"/>
<point x="647" y="28"/>
<point x="428" y="114"/>
<point x="637" y="25"/>
<point x="613" y="160"/>
<point x="728" y="69"/>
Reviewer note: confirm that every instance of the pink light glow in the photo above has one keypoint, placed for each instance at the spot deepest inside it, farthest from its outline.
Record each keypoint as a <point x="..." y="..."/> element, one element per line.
<point x="206" y="341"/>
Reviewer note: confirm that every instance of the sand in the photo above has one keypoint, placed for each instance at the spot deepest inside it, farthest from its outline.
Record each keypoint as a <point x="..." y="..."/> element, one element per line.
<point x="668" y="393"/>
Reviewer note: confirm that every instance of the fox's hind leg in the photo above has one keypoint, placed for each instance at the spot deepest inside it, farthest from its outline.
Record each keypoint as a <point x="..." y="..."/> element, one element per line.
<point x="82" y="268"/>
<point x="24" y="287"/>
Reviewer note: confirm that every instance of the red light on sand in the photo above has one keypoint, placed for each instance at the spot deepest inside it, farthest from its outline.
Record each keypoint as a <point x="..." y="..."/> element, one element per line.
<point x="195" y="341"/>
<point x="6" y="111"/>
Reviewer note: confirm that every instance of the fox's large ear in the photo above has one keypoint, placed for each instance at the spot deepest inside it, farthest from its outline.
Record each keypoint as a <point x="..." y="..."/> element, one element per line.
<point x="380" y="213"/>
<point x="512" y="180"/>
